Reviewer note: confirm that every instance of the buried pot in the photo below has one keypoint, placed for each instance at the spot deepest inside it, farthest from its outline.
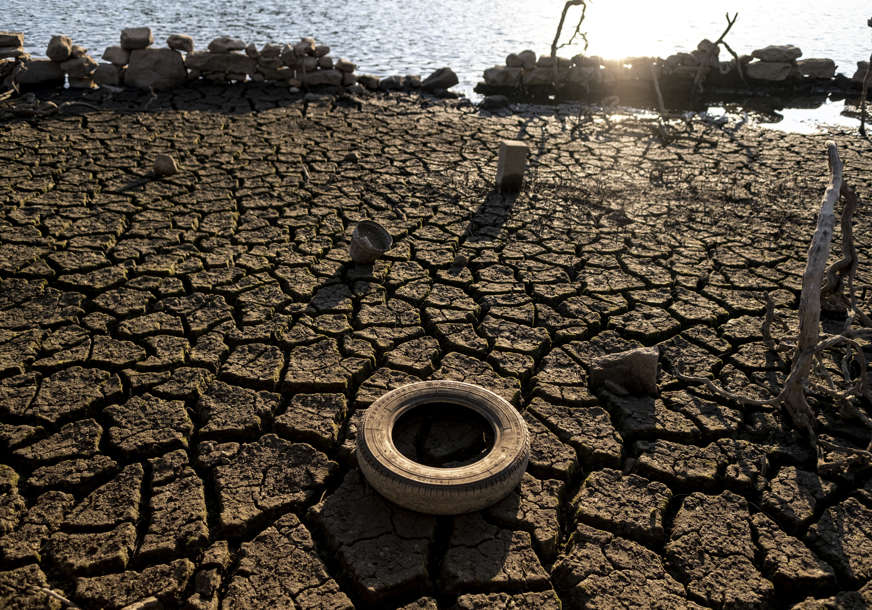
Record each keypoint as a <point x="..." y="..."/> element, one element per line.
<point x="368" y="242"/>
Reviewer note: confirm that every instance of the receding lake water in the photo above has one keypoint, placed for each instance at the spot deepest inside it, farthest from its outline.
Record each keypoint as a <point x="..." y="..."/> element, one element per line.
<point x="413" y="36"/>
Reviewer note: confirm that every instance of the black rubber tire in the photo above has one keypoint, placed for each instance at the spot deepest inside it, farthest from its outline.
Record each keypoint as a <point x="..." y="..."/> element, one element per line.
<point x="443" y="491"/>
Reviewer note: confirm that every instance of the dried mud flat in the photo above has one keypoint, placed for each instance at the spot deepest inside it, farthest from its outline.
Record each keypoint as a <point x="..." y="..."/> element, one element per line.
<point x="184" y="362"/>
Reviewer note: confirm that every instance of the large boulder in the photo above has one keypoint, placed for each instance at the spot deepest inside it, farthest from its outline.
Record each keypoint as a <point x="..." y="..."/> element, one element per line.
<point x="180" y="42"/>
<point x="79" y="67"/>
<point x="502" y="76"/>
<point x="777" y="53"/>
<point x="59" y="48"/>
<point x="225" y="63"/>
<point x="817" y="67"/>
<point x="443" y="78"/>
<point x="156" y="69"/>
<point x="11" y="39"/>
<point x="117" y="55"/>
<point x="136" y="38"/>
<point x="322" y="77"/>
<point x="39" y="73"/>
<point x="772" y="71"/>
<point x="226" y="44"/>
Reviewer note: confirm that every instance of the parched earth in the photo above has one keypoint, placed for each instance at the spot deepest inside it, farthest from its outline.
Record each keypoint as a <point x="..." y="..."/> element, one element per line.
<point x="184" y="362"/>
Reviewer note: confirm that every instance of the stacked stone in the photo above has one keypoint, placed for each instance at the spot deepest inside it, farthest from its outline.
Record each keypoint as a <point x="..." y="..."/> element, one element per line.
<point x="135" y="63"/>
<point x="525" y="70"/>
<point x="74" y="61"/>
<point x="11" y="54"/>
<point x="861" y="73"/>
<point x="11" y="46"/>
<point x="304" y="64"/>
<point x="775" y="63"/>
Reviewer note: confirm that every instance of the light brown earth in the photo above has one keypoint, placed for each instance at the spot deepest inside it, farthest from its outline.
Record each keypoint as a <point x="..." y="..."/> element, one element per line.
<point x="184" y="362"/>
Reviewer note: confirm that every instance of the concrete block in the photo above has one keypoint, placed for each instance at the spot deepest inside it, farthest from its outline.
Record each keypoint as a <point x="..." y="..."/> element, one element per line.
<point x="512" y="164"/>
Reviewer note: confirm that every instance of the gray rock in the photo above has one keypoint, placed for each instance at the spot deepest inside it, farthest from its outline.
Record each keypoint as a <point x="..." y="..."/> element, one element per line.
<point x="321" y="50"/>
<point x="11" y="39"/>
<point x="117" y="55"/>
<point x="527" y="59"/>
<point x="59" y="48"/>
<point x="155" y="68"/>
<point x="349" y="79"/>
<point x="860" y="74"/>
<point x="538" y="77"/>
<point x="224" y="63"/>
<point x="412" y="81"/>
<point x="180" y="42"/>
<point x="108" y="74"/>
<point x="772" y="71"/>
<point x="307" y="64"/>
<point x="443" y="78"/>
<point x="251" y="51"/>
<point x="136" y="38"/>
<point x="513" y="61"/>
<point x="817" y="67"/>
<point x="13" y="53"/>
<point x="633" y="371"/>
<point x="343" y="65"/>
<point x="306" y="46"/>
<point x="225" y="44"/>
<point x="80" y="67"/>
<point x="501" y="76"/>
<point x="391" y="83"/>
<point x="369" y="81"/>
<point x="777" y="53"/>
<point x="325" y="62"/>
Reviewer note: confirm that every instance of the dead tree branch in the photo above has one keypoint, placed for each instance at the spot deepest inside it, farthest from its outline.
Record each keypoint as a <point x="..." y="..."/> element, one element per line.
<point x="792" y="395"/>
<point x="575" y="34"/>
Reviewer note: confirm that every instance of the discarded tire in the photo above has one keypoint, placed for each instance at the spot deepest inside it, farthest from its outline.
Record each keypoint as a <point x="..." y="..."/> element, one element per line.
<point x="443" y="491"/>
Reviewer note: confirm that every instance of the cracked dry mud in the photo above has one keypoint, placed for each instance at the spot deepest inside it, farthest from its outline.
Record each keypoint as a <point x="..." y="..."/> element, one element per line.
<point x="184" y="362"/>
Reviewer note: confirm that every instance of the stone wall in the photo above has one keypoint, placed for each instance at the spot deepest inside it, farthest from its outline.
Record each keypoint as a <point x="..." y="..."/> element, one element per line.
<point x="135" y="62"/>
<point x="772" y="67"/>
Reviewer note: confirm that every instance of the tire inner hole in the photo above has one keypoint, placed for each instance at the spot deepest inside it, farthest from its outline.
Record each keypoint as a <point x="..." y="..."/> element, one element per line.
<point x="443" y="435"/>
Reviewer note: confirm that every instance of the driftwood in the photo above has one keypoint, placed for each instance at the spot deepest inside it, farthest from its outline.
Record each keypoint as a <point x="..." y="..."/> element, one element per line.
<point x="809" y="343"/>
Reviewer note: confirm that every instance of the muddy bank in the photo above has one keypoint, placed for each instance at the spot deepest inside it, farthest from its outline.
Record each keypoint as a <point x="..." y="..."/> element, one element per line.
<point x="184" y="361"/>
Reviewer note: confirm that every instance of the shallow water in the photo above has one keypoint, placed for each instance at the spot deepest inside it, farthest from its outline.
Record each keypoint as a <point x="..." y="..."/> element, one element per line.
<point x="414" y="36"/>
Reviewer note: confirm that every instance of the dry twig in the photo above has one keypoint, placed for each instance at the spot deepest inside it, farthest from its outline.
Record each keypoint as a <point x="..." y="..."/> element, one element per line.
<point x="575" y="34"/>
<point x="792" y="395"/>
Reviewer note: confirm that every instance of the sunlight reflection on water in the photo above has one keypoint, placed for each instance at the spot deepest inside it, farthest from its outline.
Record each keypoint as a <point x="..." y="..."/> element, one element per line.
<point x="414" y="36"/>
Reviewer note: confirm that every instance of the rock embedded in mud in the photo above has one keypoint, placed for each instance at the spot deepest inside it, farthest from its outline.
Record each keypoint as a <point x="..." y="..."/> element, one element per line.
<point x="630" y="372"/>
<point x="165" y="165"/>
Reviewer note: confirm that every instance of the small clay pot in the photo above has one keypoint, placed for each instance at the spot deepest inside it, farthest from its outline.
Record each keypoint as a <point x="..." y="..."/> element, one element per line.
<point x="368" y="242"/>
